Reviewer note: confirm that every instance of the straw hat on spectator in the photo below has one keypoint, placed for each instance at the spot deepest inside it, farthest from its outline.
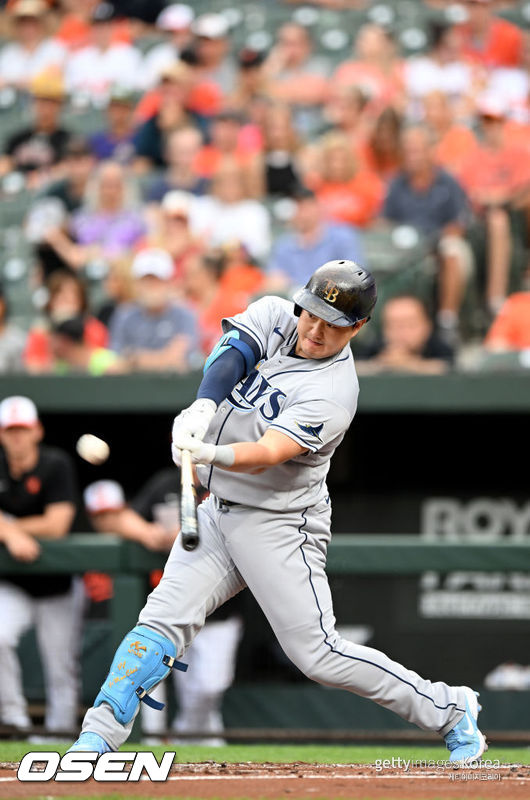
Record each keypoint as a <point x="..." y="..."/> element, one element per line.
<point x="28" y="8"/>
<point x="47" y="85"/>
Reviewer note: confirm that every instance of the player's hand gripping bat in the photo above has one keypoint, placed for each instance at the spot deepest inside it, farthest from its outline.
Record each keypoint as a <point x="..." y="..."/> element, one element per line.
<point x="189" y="526"/>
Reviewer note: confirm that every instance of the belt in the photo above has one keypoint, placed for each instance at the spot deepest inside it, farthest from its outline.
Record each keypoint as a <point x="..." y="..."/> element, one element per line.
<point x="222" y="503"/>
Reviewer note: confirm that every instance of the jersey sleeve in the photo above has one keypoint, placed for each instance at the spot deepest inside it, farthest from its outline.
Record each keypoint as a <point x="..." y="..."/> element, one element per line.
<point x="313" y="423"/>
<point x="258" y="321"/>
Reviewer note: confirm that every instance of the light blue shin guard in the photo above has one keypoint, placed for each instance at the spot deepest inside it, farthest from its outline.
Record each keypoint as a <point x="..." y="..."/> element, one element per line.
<point x="143" y="659"/>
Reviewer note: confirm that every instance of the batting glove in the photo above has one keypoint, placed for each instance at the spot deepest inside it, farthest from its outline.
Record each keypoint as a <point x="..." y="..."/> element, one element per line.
<point x="195" y="420"/>
<point x="201" y="452"/>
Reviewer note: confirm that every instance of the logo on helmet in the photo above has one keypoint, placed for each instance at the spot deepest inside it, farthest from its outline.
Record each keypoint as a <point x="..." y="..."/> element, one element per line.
<point x="332" y="292"/>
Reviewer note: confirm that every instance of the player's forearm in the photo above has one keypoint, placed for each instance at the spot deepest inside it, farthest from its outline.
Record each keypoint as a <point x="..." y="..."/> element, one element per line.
<point x="251" y="457"/>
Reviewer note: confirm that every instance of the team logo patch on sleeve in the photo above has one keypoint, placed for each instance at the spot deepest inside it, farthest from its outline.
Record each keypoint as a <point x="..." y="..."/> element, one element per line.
<point x="312" y="430"/>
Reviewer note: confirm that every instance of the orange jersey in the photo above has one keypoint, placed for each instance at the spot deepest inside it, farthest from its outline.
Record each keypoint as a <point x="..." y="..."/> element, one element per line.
<point x="454" y="148"/>
<point x="502" y="48"/>
<point x="512" y="326"/>
<point x="356" y="202"/>
<point x="503" y="171"/>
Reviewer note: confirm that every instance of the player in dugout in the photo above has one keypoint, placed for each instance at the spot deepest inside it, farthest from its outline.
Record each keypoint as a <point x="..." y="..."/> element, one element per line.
<point x="278" y="394"/>
<point x="151" y="519"/>
<point x="37" y="501"/>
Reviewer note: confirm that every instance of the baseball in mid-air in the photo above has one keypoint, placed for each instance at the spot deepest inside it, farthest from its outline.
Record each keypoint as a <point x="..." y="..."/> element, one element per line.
<point x="92" y="449"/>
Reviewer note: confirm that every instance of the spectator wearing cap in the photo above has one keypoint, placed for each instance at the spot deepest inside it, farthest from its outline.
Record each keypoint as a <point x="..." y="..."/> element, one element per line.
<point x="77" y="167"/>
<point x="174" y="22"/>
<point x="427" y="198"/>
<point x="172" y="232"/>
<point x="408" y="342"/>
<point x="155" y="333"/>
<point x="116" y="140"/>
<point x="496" y="176"/>
<point x="94" y="69"/>
<point x="251" y="83"/>
<point x="37" y="502"/>
<point x="486" y="39"/>
<point x="29" y="51"/>
<point x="72" y="353"/>
<point x="347" y="191"/>
<point x="12" y="340"/>
<point x="230" y="214"/>
<point x="67" y="298"/>
<point x="212" y="50"/>
<point x="37" y="148"/>
<point x="297" y="76"/>
<point x="310" y="243"/>
<point x="107" y="225"/>
<point x="182" y="151"/>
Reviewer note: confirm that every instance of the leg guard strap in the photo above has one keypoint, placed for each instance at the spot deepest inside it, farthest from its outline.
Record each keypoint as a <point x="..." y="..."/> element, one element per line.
<point x="143" y="659"/>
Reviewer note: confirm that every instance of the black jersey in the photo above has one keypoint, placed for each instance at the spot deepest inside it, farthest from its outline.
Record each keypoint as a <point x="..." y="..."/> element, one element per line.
<point x="50" y="481"/>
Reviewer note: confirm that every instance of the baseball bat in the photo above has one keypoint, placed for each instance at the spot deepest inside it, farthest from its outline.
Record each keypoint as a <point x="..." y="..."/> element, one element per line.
<point x="189" y="526"/>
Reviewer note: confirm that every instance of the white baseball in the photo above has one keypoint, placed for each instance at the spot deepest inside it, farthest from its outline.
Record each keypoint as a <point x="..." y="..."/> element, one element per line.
<point x="92" y="449"/>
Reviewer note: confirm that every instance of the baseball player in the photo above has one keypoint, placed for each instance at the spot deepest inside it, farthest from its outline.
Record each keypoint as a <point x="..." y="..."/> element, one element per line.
<point x="278" y="394"/>
<point x="37" y="502"/>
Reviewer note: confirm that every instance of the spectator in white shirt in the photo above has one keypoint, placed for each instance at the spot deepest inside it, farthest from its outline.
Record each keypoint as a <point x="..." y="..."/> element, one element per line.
<point x="30" y="52"/>
<point x="228" y="215"/>
<point x="94" y="69"/>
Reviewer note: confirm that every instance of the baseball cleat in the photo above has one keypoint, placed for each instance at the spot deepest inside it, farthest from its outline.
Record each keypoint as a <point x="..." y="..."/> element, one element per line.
<point x="90" y="743"/>
<point x="465" y="741"/>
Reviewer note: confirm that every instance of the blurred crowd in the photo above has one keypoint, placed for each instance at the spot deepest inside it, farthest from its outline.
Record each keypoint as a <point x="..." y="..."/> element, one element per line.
<point x="208" y="171"/>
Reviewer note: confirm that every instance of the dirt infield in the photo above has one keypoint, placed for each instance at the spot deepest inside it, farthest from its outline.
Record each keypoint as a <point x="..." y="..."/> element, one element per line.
<point x="297" y="780"/>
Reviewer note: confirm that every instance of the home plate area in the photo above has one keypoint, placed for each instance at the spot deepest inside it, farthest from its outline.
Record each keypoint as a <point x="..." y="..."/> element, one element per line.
<point x="296" y="780"/>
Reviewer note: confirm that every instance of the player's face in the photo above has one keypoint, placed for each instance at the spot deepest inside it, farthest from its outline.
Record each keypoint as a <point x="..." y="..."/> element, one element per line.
<point x="19" y="442"/>
<point x="320" y="339"/>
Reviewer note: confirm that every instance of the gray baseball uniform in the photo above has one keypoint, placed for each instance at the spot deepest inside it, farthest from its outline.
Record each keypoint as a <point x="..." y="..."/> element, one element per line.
<point x="274" y="540"/>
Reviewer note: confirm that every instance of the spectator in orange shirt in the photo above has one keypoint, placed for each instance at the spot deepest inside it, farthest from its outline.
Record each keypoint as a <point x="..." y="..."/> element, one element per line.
<point x="347" y="192"/>
<point x="376" y="68"/>
<point x="511" y="327"/>
<point x="453" y="143"/>
<point x="488" y="40"/>
<point x="496" y="177"/>
<point x="225" y="131"/>
<point x="219" y="284"/>
<point x="381" y="153"/>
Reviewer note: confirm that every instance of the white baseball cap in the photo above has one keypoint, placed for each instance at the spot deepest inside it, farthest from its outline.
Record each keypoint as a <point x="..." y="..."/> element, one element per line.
<point x="210" y="26"/>
<point x="18" y="412"/>
<point x="103" y="496"/>
<point x="177" y="203"/>
<point x="153" y="261"/>
<point x="176" y="17"/>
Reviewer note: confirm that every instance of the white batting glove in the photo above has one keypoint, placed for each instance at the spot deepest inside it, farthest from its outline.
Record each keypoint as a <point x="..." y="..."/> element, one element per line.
<point x="195" y="420"/>
<point x="202" y="452"/>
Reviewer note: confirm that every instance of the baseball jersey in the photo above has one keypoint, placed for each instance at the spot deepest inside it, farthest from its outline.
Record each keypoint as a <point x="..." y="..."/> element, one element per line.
<point x="50" y="481"/>
<point x="313" y="401"/>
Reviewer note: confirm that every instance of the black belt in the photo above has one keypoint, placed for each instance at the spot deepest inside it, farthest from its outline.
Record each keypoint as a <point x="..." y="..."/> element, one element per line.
<point x="228" y="503"/>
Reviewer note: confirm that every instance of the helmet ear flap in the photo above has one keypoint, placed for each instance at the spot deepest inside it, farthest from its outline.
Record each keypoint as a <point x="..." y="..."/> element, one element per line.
<point x="297" y="310"/>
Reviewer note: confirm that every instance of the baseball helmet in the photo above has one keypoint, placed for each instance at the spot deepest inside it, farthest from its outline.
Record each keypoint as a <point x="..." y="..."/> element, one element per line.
<point x="340" y="292"/>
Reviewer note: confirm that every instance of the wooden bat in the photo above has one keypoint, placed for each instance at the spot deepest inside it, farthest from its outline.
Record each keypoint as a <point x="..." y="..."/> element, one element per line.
<point x="189" y="526"/>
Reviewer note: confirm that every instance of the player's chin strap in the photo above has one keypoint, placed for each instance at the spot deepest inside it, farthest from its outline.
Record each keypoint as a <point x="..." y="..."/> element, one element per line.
<point x="143" y="659"/>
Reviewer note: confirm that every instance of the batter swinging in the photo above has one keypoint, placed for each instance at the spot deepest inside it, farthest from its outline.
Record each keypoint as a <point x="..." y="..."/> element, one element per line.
<point x="278" y="394"/>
